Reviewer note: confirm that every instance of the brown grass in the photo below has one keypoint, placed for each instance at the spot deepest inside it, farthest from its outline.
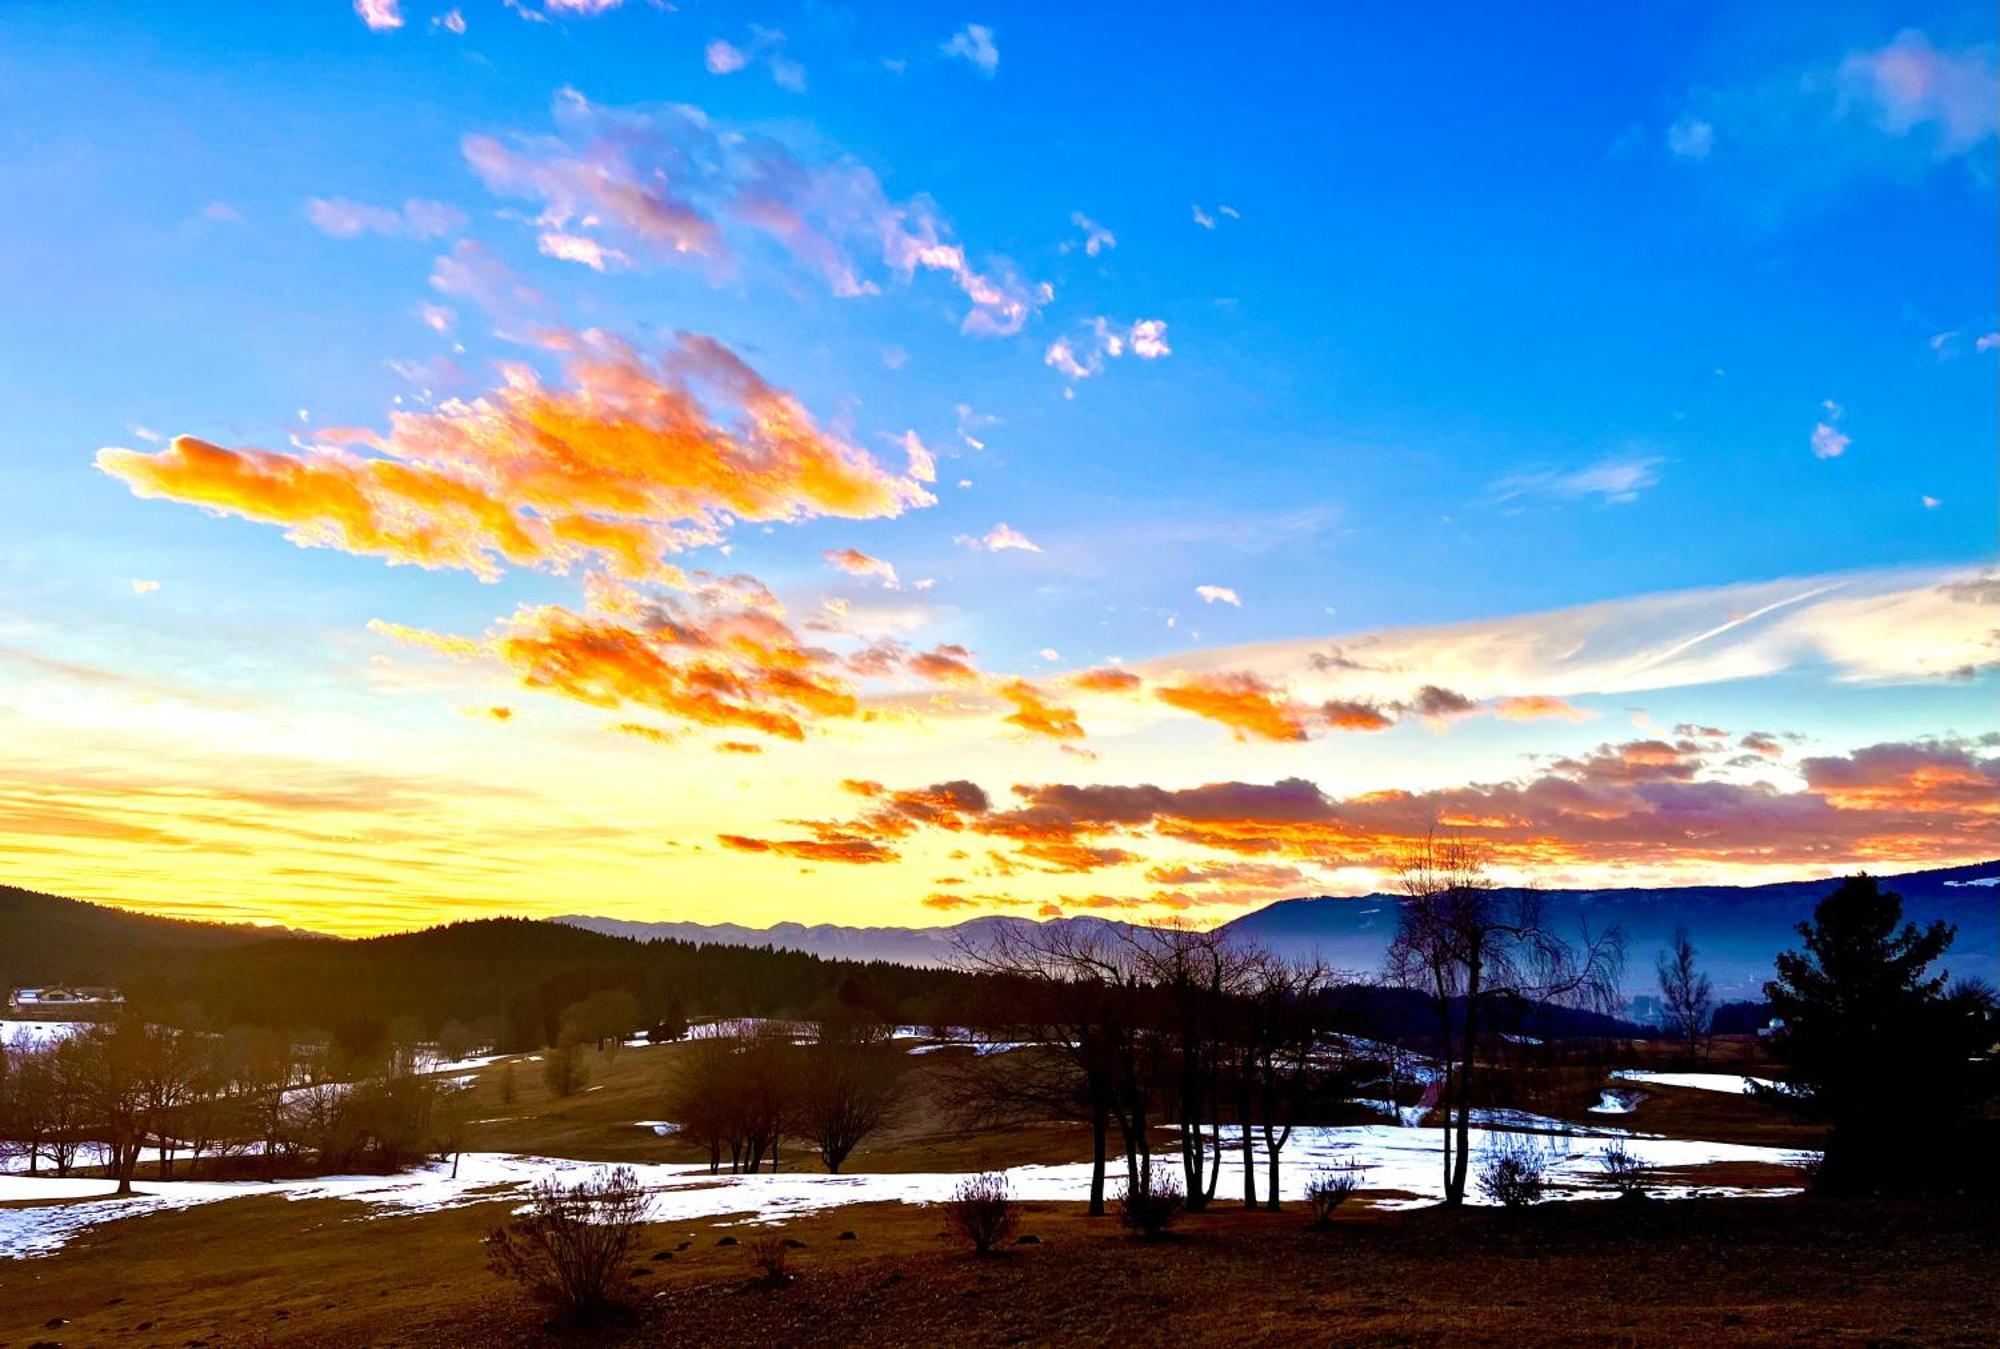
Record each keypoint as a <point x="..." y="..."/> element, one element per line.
<point x="1744" y="1271"/>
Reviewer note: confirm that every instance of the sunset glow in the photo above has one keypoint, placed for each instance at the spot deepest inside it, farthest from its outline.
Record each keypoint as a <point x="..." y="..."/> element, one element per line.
<point x="871" y="468"/>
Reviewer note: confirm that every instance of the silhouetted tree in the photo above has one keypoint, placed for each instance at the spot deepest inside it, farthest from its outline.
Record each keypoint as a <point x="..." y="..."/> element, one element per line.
<point x="1870" y="1040"/>
<point x="1685" y="992"/>
<point x="1469" y="947"/>
<point x="1083" y="998"/>
<point x="848" y="1089"/>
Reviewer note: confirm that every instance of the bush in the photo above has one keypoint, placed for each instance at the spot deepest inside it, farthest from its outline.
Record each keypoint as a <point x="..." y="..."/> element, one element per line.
<point x="1150" y="1212"/>
<point x="1623" y="1171"/>
<point x="983" y="1212"/>
<point x="573" y="1245"/>
<point x="769" y="1253"/>
<point x="1512" y="1174"/>
<point x="1329" y="1189"/>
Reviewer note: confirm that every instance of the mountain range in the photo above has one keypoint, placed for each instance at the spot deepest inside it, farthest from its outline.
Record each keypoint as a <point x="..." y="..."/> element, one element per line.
<point x="1736" y="929"/>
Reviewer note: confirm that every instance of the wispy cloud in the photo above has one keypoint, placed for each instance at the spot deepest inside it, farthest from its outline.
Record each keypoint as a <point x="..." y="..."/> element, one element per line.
<point x="766" y="45"/>
<point x="1083" y="353"/>
<point x="1615" y="480"/>
<point x="416" y="219"/>
<point x="1096" y="239"/>
<point x="1803" y="132"/>
<point x="671" y="185"/>
<point x="974" y="43"/>
<point x="1000" y="539"/>
<point x="1828" y="442"/>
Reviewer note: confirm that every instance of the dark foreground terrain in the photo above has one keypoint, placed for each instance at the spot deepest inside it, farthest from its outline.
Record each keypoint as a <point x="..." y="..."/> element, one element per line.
<point x="1748" y="1271"/>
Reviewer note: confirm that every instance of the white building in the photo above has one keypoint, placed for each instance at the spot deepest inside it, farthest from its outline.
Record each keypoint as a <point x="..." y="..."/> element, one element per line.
<point x="61" y="1000"/>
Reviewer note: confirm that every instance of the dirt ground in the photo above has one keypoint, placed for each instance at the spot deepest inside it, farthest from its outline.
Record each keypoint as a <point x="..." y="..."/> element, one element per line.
<point x="1751" y="1271"/>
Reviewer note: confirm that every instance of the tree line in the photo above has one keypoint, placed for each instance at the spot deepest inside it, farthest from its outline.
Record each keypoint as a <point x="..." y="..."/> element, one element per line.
<point x="119" y="1091"/>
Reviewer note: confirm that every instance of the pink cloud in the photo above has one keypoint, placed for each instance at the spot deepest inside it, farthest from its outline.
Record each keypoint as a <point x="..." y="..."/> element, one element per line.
<point x="381" y="16"/>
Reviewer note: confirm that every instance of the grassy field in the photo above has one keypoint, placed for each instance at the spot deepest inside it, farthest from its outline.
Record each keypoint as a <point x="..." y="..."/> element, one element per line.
<point x="601" y="1123"/>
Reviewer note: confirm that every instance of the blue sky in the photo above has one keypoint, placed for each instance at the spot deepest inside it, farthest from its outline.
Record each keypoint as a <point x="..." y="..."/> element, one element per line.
<point x="1468" y="316"/>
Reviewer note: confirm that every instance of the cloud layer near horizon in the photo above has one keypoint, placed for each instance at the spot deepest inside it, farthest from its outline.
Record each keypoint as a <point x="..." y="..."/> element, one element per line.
<point x="1651" y="802"/>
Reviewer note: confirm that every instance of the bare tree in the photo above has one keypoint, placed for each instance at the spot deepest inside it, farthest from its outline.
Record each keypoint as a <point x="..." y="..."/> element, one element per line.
<point x="700" y="1098"/>
<point x="849" y="1089"/>
<point x="1686" y="993"/>
<point x="1281" y="1057"/>
<point x="1469" y="946"/>
<point x="114" y="1061"/>
<point x="1082" y="998"/>
<point x="1199" y="982"/>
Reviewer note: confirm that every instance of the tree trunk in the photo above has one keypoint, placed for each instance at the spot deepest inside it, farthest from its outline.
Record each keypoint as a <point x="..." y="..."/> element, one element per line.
<point x="1460" y="1163"/>
<point x="1100" y="1126"/>
<point x="1249" y="1153"/>
<point x="1449" y="1058"/>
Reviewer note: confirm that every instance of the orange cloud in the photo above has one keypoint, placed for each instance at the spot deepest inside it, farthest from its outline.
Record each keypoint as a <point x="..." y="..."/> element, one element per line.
<point x="623" y="465"/>
<point x="946" y="664"/>
<point x="708" y="659"/>
<point x="1354" y="715"/>
<point x="1244" y="703"/>
<point x="855" y="851"/>
<point x="1105" y="679"/>
<point x="1074" y="857"/>
<point x="857" y="563"/>
<point x="1532" y="707"/>
<point x="1033" y="712"/>
<point x="1640" y="803"/>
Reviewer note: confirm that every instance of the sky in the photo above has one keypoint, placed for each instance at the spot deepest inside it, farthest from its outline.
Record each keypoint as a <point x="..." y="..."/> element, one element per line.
<point x="891" y="464"/>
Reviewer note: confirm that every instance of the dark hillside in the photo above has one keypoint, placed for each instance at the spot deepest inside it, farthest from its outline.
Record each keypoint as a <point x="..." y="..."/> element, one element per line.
<point x="50" y="939"/>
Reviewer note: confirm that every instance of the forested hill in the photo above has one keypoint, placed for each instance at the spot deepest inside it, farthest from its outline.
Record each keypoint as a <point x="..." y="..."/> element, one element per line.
<point x="47" y="939"/>
<point x="515" y="974"/>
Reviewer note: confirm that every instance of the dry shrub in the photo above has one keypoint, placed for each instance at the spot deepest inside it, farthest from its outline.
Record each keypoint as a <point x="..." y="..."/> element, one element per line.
<point x="769" y="1253"/>
<point x="1329" y="1189"/>
<point x="572" y="1246"/>
<point x="1513" y="1173"/>
<point x="1151" y="1210"/>
<point x="983" y="1211"/>
<point x="1623" y="1171"/>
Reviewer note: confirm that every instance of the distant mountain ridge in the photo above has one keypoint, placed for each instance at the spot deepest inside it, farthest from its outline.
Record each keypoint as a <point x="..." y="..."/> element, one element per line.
<point x="1738" y="929"/>
<point x="920" y="946"/>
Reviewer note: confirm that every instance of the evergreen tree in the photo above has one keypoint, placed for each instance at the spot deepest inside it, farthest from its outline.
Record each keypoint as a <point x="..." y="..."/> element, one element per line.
<point x="1870" y="1041"/>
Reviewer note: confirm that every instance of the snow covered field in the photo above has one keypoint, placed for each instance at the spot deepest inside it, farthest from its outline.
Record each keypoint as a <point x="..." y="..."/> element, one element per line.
<point x="32" y="1034"/>
<point x="1393" y="1158"/>
<point x="1733" y="1083"/>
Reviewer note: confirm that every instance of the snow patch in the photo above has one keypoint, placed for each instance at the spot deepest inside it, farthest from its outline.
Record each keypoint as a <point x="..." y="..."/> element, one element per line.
<point x="1733" y="1083"/>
